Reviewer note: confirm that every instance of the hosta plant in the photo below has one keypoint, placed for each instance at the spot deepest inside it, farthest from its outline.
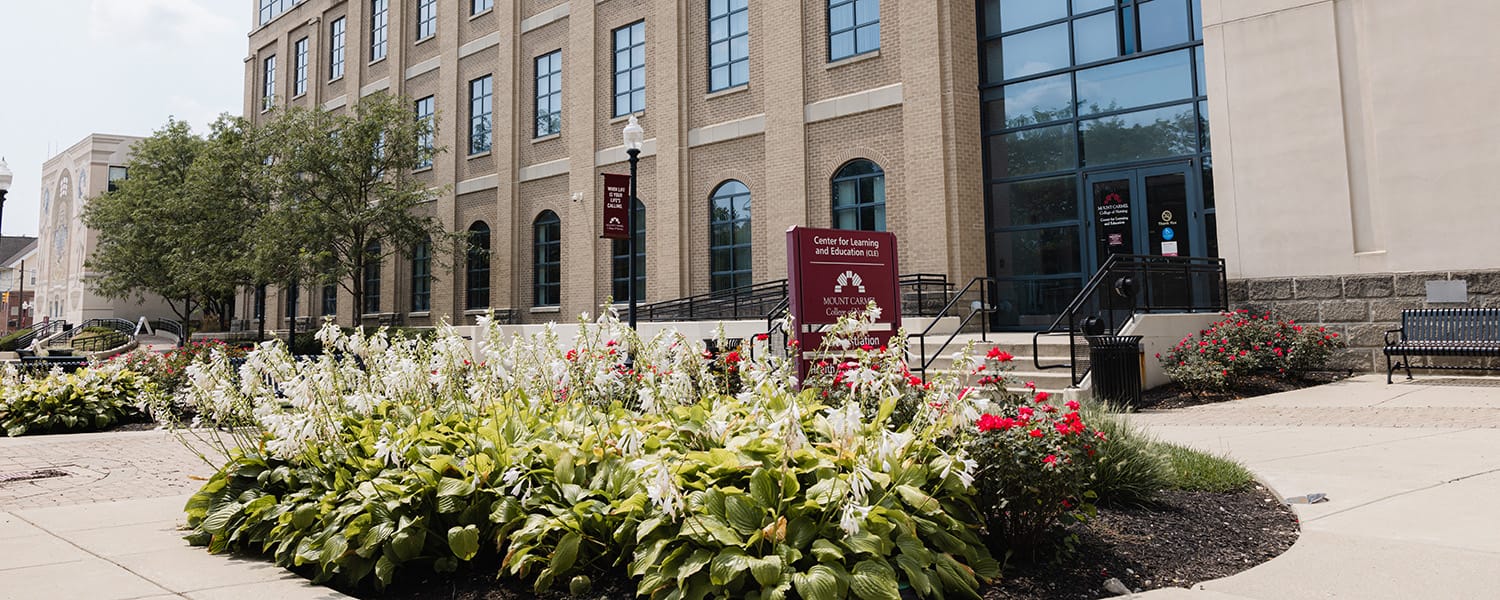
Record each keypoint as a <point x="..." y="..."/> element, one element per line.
<point x="556" y="461"/>
<point x="90" y="400"/>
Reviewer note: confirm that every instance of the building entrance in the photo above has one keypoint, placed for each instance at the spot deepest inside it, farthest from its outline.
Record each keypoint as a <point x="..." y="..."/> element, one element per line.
<point x="1153" y="211"/>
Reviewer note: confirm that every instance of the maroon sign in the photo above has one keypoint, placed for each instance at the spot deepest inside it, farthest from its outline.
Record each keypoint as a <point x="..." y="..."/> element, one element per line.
<point x="834" y="272"/>
<point x="616" y="201"/>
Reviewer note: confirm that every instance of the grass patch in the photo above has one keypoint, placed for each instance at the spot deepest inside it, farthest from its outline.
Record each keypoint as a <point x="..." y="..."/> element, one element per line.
<point x="1135" y="466"/>
<point x="1195" y="471"/>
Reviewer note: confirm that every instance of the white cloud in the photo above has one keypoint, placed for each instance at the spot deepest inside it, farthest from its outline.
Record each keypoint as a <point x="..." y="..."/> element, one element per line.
<point x="153" y="22"/>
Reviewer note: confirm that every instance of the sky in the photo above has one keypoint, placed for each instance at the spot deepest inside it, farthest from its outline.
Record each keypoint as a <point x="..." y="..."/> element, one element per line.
<point x="69" y="68"/>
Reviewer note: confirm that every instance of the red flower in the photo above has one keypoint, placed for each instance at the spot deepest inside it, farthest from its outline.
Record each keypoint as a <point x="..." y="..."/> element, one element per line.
<point x="1061" y="428"/>
<point x="867" y="347"/>
<point x="763" y="336"/>
<point x="1036" y="433"/>
<point x="1100" y="435"/>
<point x="1042" y="396"/>
<point x="1051" y="460"/>
<point x="732" y="357"/>
<point x="999" y="355"/>
<point x="1072" y="405"/>
<point x="988" y="422"/>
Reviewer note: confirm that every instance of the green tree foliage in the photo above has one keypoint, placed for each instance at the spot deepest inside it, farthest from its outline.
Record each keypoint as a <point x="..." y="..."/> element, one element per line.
<point x="344" y="180"/>
<point x="145" y="230"/>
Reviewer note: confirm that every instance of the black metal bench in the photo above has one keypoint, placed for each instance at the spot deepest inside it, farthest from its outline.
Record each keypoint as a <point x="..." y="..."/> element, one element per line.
<point x="1469" y="332"/>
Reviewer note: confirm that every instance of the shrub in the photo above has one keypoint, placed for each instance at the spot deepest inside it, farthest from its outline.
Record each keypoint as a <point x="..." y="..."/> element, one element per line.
<point x="8" y="343"/>
<point x="391" y="455"/>
<point x="1035" y="460"/>
<point x="1196" y="471"/>
<point x="87" y="401"/>
<point x="1130" y="469"/>
<point x="1241" y="344"/>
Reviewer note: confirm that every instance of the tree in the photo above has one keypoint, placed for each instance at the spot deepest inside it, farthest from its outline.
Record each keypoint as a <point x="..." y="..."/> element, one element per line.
<point x="344" y="181"/>
<point x="144" y="226"/>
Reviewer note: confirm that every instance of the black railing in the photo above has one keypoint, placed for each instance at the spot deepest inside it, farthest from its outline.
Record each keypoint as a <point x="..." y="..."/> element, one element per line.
<point x="922" y="294"/>
<point x="1129" y="284"/>
<point x="117" y="325"/>
<point x="40" y="331"/>
<point x="977" y="308"/>
<point x="100" y="342"/>
<point x="745" y="302"/>
<point x="172" y="327"/>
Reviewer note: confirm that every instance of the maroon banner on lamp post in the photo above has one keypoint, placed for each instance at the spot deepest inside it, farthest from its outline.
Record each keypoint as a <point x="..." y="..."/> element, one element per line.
<point x="834" y="272"/>
<point x="616" y="207"/>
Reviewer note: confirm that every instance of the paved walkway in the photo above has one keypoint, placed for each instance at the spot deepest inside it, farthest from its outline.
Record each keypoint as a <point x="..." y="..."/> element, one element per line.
<point x="1412" y="473"/>
<point x="109" y="528"/>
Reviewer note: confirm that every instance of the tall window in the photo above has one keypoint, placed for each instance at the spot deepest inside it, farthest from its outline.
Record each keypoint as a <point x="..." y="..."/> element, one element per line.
<point x="424" y="113"/>
<point x="479" y="6"/>
<point x="379" y="20"/>
<point x="426" y="19"/>
<point x="330" y="300"/>
<point x="421" y="276"/>
<point x="549" y="94"/>
<point x="268" y="81"/>
<point x="336" y="49"/>
<point x="477" y="267"/>
<point x="547" y="260"/>
<point x="293" y="296"/>
<point x="630" y="69"/>
<point x="853" y="28"/>
<point x="728" y="44"/>
<point x="859" y="197"/>
<point x="621" y="258"/>
<point x="729" y="236"/>
<point x="299" y="68"/>
<point x="480" y="103"/>
<point x="372" y="278"/>
<point x="117" y="174"/>
<point x="270" y="9"/>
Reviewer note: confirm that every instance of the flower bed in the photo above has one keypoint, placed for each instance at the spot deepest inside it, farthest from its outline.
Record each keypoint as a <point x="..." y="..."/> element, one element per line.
<point x="557" y="463"/>
<point x="1241" y="345"/>
<point x="90" y="400"/>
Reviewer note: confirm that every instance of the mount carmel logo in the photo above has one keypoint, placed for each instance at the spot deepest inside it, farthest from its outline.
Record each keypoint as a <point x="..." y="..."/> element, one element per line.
<point x="849" y="279"/>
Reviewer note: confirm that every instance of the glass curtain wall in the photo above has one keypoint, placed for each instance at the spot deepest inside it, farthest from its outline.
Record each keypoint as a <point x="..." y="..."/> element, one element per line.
<point x="1068" y="87"/>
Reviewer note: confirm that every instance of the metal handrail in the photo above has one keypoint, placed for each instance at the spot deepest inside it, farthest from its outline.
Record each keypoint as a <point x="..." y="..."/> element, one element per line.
<point x="1123" y="273"/>
<point x="172" y="326"/>
<point x="41" y="329"/>
<point x="983" y="311"/>
<point x="66" y="337"/>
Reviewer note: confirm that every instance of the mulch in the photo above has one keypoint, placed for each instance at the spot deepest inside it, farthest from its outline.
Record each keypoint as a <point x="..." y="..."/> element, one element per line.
<point x="1185" y="539"/>
<point x="1173" y="395"/>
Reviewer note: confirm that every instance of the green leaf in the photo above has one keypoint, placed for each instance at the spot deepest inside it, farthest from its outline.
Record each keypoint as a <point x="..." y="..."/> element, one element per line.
<point x="763" y="489"/>
<point x="303" y="517"/>
<point x="743" y="514"/>
<point x="580" y="585"/>
<point x="766" y="570"/>
<point x="826" y="551"/>
<point x="218" y="520"/>
<point x="710" y="529"/>
<point x="874" y="580"/>
<point x="729" y="564"/>
<point x="384" y="570"/>
<point x="818" y="583"/>
<point x="916" y="575"/>
<point x="919" y="500"/>
<point x="566" y="553"/>
<point x="407" y="543"/>
<point x="464" y="541"/>
<point x="693" y="564"/>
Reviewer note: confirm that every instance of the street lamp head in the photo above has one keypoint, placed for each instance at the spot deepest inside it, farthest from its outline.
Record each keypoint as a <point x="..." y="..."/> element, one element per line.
<point x="634" y="135"/>
<point x="5" y="176"/>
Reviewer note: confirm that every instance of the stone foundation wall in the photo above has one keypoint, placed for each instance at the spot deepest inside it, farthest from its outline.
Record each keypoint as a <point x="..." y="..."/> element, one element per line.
<point x="1363" y="307"/>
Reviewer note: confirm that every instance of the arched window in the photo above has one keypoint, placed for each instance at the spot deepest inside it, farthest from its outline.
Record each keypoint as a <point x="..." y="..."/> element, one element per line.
<point x="621" y="256"/>
<point x="477" y="267"/>
<point x="729" y="236"/>
<point x="859" y="197"/>
<point x="547" y="260"/>
<point x="372" y="278"/>
<point x="421" y="276"/>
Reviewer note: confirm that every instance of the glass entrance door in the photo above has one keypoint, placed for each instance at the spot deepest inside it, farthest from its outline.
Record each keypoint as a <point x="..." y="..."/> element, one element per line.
<point x="1147" y="211"/>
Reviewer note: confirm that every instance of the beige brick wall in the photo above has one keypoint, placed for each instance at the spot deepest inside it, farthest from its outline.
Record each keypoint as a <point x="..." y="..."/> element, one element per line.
<point x="928" y="144"/>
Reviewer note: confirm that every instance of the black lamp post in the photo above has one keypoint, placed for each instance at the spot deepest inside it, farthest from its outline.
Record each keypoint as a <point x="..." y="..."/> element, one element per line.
<point x="5" y="179"/>
<point x="635" y="137"/>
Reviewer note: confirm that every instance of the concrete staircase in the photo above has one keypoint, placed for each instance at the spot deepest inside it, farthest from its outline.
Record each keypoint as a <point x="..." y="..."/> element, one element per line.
<point x="1052" y="349"/>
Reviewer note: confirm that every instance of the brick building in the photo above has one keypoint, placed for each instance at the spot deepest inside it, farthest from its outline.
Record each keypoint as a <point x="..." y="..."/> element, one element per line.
<point x="988" y="135"/>
<point x="754" y="109"/>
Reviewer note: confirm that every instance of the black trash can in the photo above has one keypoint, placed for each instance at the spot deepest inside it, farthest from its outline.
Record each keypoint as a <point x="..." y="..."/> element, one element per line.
<point x="1115" y="361"/>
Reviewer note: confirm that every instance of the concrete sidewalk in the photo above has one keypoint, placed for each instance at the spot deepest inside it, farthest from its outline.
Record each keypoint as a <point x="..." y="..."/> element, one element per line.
<point x="1412" y="472"/>
<point x="109" y="527"/>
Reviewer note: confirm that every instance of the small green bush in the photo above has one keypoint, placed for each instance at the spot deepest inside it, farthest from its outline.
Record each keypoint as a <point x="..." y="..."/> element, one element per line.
<point x="1131" y="469"/>
<point x="8" y="343"/>
<point x="1241" y="344"/>
<point x="90" y="400"/>
<point x="1196" y="471"/>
